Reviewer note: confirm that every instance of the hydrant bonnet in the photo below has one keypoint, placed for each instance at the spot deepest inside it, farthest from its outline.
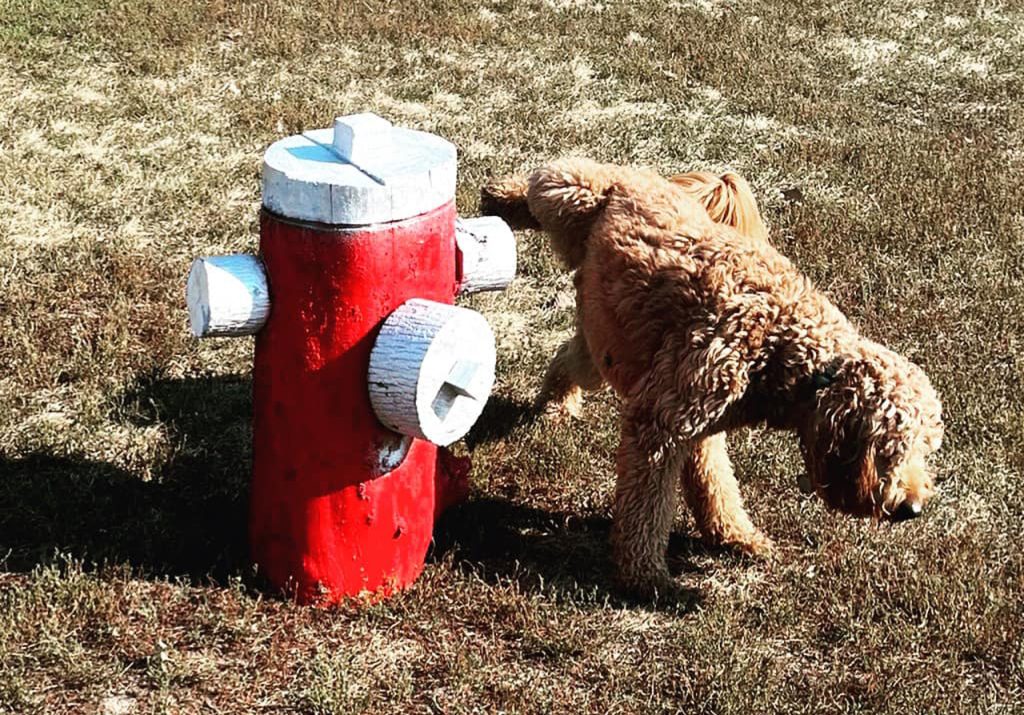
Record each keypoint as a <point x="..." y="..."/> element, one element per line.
<point x="362" y="171"/>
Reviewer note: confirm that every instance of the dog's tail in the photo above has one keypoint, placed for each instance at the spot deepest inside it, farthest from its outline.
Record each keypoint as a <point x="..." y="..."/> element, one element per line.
<point x="728" y="200"/>
<point x="563" y="198"/>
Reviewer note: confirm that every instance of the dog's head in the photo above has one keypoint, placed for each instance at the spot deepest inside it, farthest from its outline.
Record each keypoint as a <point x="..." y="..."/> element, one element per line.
<point x="876" y="421"/>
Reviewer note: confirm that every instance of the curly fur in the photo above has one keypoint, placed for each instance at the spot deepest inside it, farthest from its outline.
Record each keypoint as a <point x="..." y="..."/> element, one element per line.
<point x="727" y="198"/>
<point x="701" y="328"/>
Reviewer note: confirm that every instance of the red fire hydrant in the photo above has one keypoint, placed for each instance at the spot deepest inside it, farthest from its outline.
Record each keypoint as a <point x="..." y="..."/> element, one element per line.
<point x="363" y="367"/>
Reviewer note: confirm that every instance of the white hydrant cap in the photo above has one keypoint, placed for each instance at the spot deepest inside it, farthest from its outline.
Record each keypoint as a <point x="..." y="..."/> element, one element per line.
<point x="361" y="171"/>
<point x="227" y="296"/>
<point x="432" y="370"/>
<point x="488" y="249"/>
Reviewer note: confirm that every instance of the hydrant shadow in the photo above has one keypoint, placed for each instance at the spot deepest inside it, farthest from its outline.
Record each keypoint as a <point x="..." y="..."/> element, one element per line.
<point x="187" y="520"/>
<point x="562" y="555"/>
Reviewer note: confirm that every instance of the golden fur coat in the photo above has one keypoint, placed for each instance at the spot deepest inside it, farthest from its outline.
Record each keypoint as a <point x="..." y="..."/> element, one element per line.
<point x="701" y="327"/>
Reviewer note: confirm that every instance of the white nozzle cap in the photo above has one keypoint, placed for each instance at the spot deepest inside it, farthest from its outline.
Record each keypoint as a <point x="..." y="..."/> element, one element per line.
<point x="488" y="249"/>
<point x="227" y="296"/>
<point x="431" y="370"/>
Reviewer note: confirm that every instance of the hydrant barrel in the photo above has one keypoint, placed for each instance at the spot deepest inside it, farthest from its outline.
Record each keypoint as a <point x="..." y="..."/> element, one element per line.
<point x="331" y="515"/>
<point x="354" y="225"/>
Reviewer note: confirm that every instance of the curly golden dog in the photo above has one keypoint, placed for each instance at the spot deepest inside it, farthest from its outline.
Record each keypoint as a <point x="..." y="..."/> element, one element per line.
<point x="702" y="327"/>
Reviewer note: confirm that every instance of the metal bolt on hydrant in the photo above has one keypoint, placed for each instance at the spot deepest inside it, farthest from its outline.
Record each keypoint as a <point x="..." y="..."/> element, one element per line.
<point x="364" y="370"/>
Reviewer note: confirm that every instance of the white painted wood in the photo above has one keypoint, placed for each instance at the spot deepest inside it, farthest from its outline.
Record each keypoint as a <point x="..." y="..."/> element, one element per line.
<point x="402" y="173"/>
<point x="227" y="296"/>
<point x="391" y="452"/>
<point x="488" y="249"/>
<point x="362" y="138"/>
<point x="432" y="370"/>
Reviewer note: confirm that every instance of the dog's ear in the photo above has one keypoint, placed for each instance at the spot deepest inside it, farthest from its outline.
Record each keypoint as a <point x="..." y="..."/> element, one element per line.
<point x="843" y="448"/>
<point x="566" y="197"/>
<point x="568" y="194"/>
<point x="849" y="477"/>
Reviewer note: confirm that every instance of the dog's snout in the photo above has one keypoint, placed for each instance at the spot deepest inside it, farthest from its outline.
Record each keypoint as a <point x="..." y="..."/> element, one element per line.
<point x="910" y="509"/>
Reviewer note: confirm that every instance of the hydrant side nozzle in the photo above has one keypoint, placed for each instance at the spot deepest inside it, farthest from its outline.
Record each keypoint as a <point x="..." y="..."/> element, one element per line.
<point x="486" y="254"/>
<point x="227" y="296"/>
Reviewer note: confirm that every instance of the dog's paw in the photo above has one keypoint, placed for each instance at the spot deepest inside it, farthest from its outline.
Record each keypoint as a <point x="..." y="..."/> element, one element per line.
<point x="662" y="591"/>
<point x="755" y="545"/>
<point x="748" y="543"/>
<point x="558" y="410"/>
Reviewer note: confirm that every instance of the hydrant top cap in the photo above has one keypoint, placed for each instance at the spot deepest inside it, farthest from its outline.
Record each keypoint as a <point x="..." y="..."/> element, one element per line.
<point x="361" y="171"/>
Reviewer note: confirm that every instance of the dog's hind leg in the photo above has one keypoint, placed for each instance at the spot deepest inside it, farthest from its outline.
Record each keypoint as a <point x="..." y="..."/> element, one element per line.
<point x="644" y="507"/>
<point x="713" y="495"/>
<point x="507" y="198"/>
<point x="570" y="372"/>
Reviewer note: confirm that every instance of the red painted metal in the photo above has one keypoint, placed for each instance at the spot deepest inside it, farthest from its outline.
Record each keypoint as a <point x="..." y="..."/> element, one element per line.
<point x="324" y="521"/>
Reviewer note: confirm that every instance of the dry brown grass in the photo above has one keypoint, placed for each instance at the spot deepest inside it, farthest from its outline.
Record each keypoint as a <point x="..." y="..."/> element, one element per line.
<point x="130" y="140"/>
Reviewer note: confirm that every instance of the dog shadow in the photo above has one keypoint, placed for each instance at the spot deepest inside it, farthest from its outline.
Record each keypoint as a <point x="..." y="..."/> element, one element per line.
<point x="187" y="520"/>
<point x="500" y="418"/>
<point x="562" y="555"/>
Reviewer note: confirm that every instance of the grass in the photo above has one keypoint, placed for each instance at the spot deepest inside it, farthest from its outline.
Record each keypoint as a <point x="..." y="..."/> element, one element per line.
<point x="884" y="142"/>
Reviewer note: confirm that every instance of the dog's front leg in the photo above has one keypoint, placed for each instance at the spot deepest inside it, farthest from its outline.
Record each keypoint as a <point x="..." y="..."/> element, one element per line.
<point x="713" y="495"/>
<point x="645" y="501"/>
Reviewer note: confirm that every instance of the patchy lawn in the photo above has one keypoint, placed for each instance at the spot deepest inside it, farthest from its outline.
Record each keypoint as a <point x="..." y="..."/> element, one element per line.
<point x="885" y="143"/>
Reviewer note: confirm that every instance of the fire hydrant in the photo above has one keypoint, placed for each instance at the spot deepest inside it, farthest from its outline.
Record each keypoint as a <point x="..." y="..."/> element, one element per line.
<point x="364" y="370"/>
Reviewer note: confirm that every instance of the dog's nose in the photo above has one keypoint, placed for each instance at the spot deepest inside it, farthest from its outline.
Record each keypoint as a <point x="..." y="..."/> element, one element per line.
<point x="910" y="509"/>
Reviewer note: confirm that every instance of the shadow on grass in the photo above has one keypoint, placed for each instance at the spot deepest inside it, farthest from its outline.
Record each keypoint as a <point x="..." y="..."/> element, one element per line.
<point x="556" y="553"/>
<point x="189" y="520"/>
<point x="501" y="417"/>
